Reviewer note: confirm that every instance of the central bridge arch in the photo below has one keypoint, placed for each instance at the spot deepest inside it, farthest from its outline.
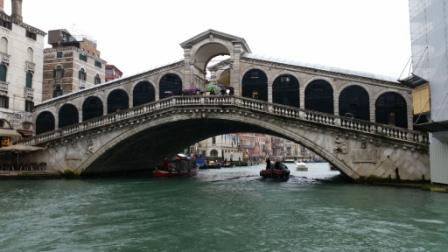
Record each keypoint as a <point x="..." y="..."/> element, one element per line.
<point x="156" y="138"/>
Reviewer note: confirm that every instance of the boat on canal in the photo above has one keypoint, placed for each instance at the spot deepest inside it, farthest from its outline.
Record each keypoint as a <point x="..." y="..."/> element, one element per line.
<point x="278" y="171"/>
<point x="301" y="166"/>
<point x="181" y="166"/>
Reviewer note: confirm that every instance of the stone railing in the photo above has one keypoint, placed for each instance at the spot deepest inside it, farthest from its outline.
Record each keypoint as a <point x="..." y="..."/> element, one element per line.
<point x="4" y="86"/>
<point x="240" y="102"/>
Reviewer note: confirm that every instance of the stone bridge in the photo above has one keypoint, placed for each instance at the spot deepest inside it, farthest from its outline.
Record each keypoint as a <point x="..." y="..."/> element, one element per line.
<point x="359" y="122"/>
<point x="131" y="140"/>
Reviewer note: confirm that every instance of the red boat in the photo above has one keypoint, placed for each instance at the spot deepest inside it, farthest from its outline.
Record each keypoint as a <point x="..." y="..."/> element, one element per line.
<point x="279" y="171"/>
<point x="174" y="173"/>
<point x="182" y="166"/>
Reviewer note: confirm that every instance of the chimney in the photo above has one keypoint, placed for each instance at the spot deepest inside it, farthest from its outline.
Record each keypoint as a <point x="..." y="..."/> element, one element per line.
<point x="16" y="11"/>
<point x="2" y="6"/>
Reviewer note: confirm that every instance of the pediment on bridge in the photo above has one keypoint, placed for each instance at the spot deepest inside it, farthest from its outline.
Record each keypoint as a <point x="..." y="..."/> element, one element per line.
<point x="211" y="35"/>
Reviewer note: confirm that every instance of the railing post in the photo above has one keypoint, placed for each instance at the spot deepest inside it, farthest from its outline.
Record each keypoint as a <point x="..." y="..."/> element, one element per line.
<point x="337" y="121"/>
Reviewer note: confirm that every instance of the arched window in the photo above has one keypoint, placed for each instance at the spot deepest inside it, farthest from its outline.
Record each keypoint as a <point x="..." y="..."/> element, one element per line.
<point x="3" y="72"/>
<point x="285" y="90"/>
<point x="117" y="100"/>
<point x="57" y="91"/>
<point x="319" y="97"/>
<point x="92" y="108"/>
<point x="29" y="79"/>
<point x="391" y="108"/>
<point x="354" y="103"/>
<point x="58" y="73"/>
<point x="68" y="115"/>
<point x="45" y="122"/>
<point x="255" y="85"/>
<point x="143" y="93"/>
<point x="82" y="74"/>
<point x="170" y="85"/>
<point x="30" y="54"/>
<point x="214" y="153"/>
<point x="97" y="79"/>
<point x="4" y="45"/>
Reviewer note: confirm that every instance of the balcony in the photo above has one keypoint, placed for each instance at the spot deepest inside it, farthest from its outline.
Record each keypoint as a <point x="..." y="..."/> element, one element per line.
<point x="30" y="66"/>
<point x="4" y="58"/>
<point x="28" y="93"/>
<point x="4" y="87"/>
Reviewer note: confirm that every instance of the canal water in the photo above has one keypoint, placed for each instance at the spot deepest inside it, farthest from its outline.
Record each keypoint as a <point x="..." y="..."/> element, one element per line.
<point x="219" y="210"/>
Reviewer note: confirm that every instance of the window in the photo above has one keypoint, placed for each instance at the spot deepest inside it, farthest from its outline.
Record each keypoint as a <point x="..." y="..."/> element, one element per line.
<point x="29" y="79"/>
<point x="58" y="91"/>
<point x="59" y="55"/>
<point x="4" y="102"/>
<point x="83" y="57"/>
<point x="98" y="64"/>
<point x="29" y="106"/>
<point x="6" y="24"/>
<point x="30" y="54"/>
<point x="97" y="79"/>
<point x="4" y="45"/>
<point x="31" y="35"/>
<point x="214" y="140"/>
<point x="58" y="73"/>
<point x="3" y="72"/>
<point x="82" y="74"/>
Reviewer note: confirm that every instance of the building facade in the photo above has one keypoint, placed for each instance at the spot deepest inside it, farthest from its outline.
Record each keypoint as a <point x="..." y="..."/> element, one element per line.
<point x="225" y="147"/>
<point x="21" y="55"/>
<point x="71" y="64"/>
<point x="429" y="30"/>
<point x="113" y="73"/>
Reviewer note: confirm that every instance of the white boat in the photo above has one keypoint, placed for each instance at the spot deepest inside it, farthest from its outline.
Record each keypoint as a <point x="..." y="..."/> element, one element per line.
<point x="301" y="166"/>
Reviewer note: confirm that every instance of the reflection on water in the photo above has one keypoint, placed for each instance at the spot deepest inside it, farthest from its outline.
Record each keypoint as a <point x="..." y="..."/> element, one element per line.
<point x="219" y="210"/>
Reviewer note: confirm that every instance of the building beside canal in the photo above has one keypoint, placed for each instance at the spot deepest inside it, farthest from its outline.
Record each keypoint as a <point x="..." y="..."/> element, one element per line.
<point x="429" y="30"/>
<point x="21" y="56"/>
<point x="73" y="63"/>
<point x="113" y="73"/>
<point x="225" y="147"/>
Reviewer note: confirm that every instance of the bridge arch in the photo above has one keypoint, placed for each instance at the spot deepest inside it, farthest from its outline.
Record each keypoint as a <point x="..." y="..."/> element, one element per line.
<point x="143" y="92"/>
<point x="207" y="51"/>
<point x="68" y="115"/>
<point x="286" y="90"/>
<point x="136" y="138"/>
<point x="117" y="99"/>
<point x="319" y="96"/>
<point x="170" y="84"/>
<point x="354" y="101"/>
<point x="391" y="108"/>
<point x="45" y="122"/>
<point x="254" y="84"/>
<point x="92" y="107"/>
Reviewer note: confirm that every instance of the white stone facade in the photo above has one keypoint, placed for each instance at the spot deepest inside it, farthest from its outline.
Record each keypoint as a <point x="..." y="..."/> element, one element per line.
<point x="225" y="147"/>
<point x="21" y="52"/>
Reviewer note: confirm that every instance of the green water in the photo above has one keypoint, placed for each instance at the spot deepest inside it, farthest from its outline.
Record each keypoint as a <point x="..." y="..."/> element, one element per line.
<point x="219" y="210"/>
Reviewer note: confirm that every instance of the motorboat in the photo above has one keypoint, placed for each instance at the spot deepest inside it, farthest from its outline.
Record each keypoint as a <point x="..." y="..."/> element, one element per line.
<point x="278" y="171"/>
<point x="301" y="166"/>
<point x="181" y="166"/>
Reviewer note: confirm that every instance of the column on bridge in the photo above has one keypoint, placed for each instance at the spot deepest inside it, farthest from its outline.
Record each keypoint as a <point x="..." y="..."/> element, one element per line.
<point x="336" y="102"/>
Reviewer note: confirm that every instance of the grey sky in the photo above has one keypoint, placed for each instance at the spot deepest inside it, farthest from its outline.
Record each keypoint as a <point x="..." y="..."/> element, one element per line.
<point x="137" y="35"/>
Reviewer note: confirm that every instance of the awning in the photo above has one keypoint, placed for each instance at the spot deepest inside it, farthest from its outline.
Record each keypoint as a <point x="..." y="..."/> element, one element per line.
<point x="18" y="148"/>
<point x="9" y="133"/>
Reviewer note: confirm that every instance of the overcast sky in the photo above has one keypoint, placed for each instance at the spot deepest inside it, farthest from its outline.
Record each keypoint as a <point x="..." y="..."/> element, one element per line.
<point x="135" y="35"/>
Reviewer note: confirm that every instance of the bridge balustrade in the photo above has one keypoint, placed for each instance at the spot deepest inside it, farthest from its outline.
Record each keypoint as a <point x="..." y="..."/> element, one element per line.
<point x="241" y="102"/>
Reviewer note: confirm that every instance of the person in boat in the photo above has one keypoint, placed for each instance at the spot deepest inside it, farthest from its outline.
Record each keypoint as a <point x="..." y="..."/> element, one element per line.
<point x="268" y="164"/>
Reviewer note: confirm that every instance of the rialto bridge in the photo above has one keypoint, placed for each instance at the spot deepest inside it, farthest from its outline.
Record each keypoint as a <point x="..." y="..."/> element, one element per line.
<point x="362" y="124"/>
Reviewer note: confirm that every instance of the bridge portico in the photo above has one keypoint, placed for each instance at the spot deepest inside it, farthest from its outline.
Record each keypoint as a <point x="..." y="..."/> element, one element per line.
<point x="304" y="103"/>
